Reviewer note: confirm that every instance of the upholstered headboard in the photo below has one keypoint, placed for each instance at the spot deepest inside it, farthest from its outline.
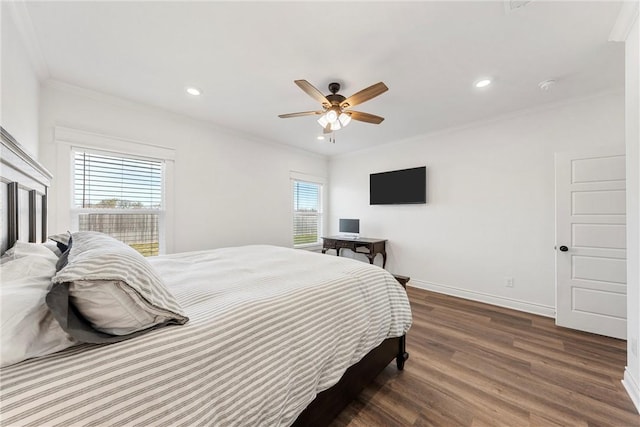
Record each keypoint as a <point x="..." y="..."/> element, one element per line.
<point x="23" y="195"/>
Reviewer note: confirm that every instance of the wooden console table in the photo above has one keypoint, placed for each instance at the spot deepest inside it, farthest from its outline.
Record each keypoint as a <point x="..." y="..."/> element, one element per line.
<point x="373" y="246"/>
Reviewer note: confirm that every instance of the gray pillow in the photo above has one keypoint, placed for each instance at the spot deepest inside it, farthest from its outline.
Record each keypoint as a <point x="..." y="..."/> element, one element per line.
<point x="108" y="292"/>
<point x="62" y="240"/>
<point x="64" y="257"/>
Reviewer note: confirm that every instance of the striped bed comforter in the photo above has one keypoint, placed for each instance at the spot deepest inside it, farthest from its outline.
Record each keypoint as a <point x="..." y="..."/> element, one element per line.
<point x="269" y="329"/>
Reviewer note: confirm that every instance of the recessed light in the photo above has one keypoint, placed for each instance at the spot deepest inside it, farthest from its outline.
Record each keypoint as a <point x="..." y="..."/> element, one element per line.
<point x="193" y="91"/>
<point x="483" y="83"/>
<point x="320" y="137"/>
<point x="546" y="84"/>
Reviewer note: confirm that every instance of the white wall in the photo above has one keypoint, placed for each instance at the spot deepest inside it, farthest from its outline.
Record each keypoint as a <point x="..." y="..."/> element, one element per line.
<point x="632" y="100"/>
<point x="20" y="86"/>
<point x="229" y="190"/>
<point x="490" y="201"/>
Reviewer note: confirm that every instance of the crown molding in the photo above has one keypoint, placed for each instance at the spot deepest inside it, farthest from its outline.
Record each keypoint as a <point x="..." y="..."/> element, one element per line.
<point x="626" y="18"/>
<point x="478" y="124"/>
<point x="24" y="24"/>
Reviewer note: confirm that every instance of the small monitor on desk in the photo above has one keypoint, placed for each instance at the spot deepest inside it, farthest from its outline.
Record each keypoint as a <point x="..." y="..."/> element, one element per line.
<point x="349" y="227"/>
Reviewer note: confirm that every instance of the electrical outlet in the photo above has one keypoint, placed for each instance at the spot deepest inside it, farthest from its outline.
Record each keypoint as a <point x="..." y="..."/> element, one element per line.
<point x="508" y="282"/>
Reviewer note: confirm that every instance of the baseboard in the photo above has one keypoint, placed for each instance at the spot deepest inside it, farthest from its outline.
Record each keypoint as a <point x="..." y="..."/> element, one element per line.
<point x="528" y="307"/>
<point x="632" y="388"/>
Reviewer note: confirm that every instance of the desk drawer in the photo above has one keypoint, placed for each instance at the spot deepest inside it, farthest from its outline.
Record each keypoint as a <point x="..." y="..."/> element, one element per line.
<point x="346" y="245"/>
<point x="329" y="243"/>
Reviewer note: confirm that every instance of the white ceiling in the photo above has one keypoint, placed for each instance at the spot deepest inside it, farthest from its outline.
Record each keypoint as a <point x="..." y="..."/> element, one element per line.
<point x="245" y="57"/>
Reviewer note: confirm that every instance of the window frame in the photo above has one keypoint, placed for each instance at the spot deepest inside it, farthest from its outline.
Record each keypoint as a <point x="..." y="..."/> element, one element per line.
<point x="321" y="182"/>
<point x="76" y="211"/>
<point x="69" y="140"/>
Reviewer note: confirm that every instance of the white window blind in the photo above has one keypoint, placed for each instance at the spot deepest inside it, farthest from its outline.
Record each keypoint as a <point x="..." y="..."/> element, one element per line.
<point x="120" y="196"/>
<point x="307" y="213"/>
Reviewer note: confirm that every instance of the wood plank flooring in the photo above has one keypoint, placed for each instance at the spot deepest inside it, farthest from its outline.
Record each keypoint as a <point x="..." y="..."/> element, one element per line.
<point x="474" y="364"/>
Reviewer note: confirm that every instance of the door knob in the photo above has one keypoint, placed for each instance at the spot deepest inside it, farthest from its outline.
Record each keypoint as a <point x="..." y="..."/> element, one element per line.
<point x="563" y="248"/>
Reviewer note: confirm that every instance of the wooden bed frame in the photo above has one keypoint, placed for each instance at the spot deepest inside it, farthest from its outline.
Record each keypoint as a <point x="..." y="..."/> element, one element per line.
<point x="23" y="216"/>
<point x="23" y="190"/>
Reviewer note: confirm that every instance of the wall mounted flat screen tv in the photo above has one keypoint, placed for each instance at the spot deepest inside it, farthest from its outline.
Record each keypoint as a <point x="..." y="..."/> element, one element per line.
<point x="406" y="186"/>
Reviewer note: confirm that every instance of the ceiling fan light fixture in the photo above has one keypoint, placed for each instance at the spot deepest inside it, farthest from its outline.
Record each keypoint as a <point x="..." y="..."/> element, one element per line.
<point x="322" y="121"/>
<point x="331" y="115"/>
<point x="344" y="119"/>
<point x="339" y="120"/>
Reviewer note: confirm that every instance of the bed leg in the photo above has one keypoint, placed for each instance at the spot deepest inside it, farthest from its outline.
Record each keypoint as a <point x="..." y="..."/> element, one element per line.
<point x="402" y="353"/>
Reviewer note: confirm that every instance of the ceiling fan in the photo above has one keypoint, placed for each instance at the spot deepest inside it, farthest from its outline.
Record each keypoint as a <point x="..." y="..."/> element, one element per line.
<point x="335" y="113"/>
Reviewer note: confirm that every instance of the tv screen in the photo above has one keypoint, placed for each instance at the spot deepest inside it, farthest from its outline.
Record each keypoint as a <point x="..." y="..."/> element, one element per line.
<point x="406" y="186"/>
<point x="349" y="226"/>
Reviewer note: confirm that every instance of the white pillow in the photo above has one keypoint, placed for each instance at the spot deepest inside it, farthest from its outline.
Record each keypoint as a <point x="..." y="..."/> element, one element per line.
<point x="23" y="249"/>
<point x="53" y="247"/>
<point x="27" y="326"/>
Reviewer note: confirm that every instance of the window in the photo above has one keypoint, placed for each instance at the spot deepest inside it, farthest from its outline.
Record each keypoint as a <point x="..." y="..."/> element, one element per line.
<point x="307" y="213"/>
<point x="120" y="196"/>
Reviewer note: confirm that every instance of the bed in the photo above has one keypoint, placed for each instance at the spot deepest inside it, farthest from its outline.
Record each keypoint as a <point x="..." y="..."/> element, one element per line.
<point x="267" y="343"/>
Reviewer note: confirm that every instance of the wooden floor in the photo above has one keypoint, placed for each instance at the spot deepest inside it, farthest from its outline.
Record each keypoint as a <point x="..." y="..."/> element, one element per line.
<point x="473" y="364"/>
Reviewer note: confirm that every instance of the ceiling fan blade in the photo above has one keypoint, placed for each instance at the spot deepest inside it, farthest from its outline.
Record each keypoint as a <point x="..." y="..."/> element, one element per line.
<point x="313" y="92"/>
<point x="365" y="117"/>
<point x="364" y="95"/>
<point x="302" y="113"/>
<point x="327" y="129"/>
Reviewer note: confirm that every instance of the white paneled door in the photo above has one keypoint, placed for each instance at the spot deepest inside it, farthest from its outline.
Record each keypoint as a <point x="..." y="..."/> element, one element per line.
<point x="590" y="243"/>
